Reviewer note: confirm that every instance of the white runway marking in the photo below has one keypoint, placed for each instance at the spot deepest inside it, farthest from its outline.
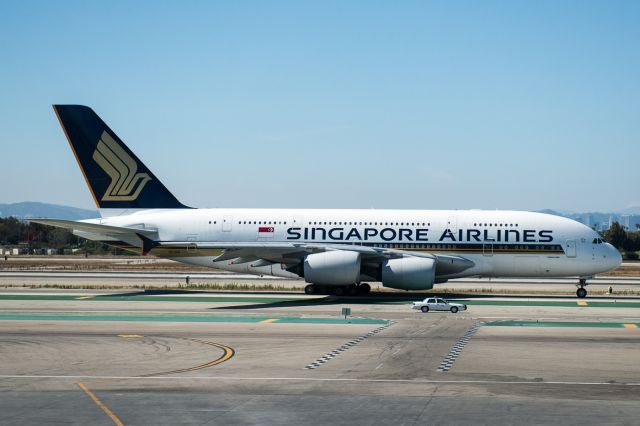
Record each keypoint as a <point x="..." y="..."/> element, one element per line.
<point x="453" y="354"/>
<point x="318" y="362"/>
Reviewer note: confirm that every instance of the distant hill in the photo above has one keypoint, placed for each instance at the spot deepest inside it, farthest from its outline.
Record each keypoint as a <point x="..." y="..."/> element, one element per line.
<point x="631" y="210"/>
<point x="29" y="209"/>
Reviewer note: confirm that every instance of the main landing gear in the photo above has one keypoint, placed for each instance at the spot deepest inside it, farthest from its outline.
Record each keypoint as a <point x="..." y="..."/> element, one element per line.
<point x="582" y="291"/>
<point x="349" y="290"/>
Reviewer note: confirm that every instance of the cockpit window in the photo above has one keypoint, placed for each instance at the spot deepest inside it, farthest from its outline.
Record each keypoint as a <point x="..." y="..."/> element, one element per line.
<point x="598" y="241"/>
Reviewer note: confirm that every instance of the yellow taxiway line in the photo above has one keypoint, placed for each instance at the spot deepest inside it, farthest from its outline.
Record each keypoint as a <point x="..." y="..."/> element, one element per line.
<point x="228" y="353"/>
<point x="270" y="320"/>
<point x="104" y="408"/>
<point x="130" y="336"/>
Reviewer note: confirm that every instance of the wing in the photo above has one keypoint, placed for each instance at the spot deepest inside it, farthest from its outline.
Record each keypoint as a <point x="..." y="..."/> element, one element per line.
<point x="265" y="253"/>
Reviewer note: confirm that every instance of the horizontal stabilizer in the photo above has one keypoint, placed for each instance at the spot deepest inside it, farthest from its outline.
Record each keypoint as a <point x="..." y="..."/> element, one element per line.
<point x="94" y="228"/>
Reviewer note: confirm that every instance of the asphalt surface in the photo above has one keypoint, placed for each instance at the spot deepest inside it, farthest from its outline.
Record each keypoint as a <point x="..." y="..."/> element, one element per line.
<point x="238" y="358"/>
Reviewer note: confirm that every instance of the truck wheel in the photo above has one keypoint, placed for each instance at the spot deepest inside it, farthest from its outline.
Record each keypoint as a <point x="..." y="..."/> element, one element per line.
<point x="454" y="309"/>
<point x="425" y="309"/>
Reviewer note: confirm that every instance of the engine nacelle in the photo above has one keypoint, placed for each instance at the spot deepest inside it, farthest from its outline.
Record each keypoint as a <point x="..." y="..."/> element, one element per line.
<point x="332" y="268"/>
<point x="409" y="273"/>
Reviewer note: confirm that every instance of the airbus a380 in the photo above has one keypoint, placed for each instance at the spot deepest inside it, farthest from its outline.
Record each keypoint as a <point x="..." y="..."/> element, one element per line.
<point x="335" y="251"/>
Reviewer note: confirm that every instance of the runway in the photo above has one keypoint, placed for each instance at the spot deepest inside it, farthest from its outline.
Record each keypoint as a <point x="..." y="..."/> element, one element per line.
<point x="167" y="357"/>
<point x="173" y="279"/>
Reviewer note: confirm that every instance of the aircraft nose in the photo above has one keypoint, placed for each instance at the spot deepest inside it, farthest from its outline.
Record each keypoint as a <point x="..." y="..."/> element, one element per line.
<point x="614" y="257"/>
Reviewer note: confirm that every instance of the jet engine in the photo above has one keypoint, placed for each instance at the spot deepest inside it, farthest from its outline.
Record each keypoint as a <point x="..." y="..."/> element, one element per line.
<point x="409" y="273"/>
<point x="332" y="268"/>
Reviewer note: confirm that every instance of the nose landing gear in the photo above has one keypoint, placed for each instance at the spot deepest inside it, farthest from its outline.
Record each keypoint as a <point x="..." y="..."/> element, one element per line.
<point x="582" y="291"/>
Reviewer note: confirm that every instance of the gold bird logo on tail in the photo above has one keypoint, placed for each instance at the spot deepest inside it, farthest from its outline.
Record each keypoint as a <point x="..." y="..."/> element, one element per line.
<point x="126" y="183"/>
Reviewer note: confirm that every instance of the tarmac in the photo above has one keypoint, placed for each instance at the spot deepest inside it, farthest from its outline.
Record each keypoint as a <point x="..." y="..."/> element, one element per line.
<point x="130" y="357"/>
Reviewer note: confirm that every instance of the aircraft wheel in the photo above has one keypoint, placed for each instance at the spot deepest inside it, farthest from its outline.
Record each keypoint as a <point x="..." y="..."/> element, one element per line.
<point x="338" y="291"/>
<point x="364" y="288"/>
<point x="454" y="309"/>
<point x="581" y="293"/>
<point x="310" y="289"/>
<point x="425" y="309"/>
<point x="352" y="290"/>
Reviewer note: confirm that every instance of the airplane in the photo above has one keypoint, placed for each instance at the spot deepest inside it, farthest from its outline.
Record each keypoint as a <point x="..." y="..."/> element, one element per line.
<point x="335" y="251"/>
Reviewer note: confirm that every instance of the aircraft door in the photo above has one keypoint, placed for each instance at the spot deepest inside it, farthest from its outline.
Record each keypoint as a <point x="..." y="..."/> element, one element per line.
<point x="487" y="249"/>
<point x="226" y="223"/>
<point x="571" y="248"/>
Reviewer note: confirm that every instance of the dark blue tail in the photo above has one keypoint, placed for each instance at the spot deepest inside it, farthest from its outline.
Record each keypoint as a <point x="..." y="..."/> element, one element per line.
<point x="116" y="177"/>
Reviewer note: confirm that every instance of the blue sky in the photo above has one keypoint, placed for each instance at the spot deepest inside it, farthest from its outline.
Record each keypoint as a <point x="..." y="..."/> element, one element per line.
<point x="452" y="104"/>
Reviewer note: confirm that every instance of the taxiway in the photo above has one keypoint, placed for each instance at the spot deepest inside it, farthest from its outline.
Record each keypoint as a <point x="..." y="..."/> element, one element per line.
<point x="168" y="357"/>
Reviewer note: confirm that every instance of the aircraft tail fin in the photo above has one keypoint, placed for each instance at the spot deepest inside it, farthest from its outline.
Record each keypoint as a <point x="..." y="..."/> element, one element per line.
<point x="116" y="178"/>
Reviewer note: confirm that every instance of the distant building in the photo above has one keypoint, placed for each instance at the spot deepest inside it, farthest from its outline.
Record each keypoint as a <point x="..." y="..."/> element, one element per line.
<point x="625" y="222"/>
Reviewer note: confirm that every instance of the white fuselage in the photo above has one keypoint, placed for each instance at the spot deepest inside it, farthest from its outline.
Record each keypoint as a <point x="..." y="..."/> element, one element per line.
<point x="500" y="243"/>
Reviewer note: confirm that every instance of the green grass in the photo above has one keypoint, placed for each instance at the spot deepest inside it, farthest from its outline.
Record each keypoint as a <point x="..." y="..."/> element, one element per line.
<point x="209" y="286"/>
<point x="70" y="316"/>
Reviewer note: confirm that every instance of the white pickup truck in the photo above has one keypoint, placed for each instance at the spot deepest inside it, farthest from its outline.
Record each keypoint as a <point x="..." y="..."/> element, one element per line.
<point x="437" y="304"/>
